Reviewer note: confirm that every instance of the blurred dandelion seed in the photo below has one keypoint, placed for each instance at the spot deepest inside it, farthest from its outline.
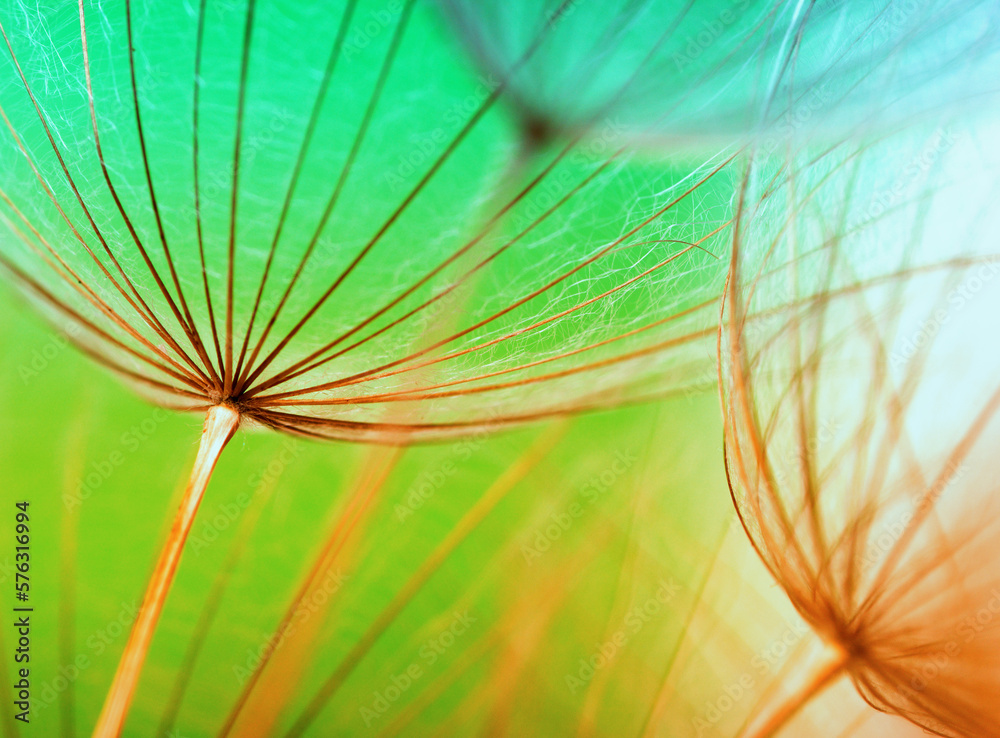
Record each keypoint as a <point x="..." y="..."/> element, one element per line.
<point x="865" y="483"/>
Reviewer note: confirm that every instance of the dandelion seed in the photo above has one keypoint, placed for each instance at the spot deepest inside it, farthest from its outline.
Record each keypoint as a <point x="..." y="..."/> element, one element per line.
<point x="139" y="205"/>
<point x="859" y="439"/>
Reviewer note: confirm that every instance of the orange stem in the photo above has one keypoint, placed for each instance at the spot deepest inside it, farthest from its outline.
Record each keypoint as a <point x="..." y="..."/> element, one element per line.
<point x="220" y="425"/>
<point x="824" y="669"/>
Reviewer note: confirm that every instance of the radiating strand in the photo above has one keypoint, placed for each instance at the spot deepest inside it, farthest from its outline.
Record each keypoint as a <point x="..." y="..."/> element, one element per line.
<point x="185" y="322"/>
<point x="404" y="205"/>
<point x="394" y="433"/>
<point x="545" y="321"/>
<point x="79" y="285"/>
<point x="295" y="369"/>
<point x="423" y="392"/>
<point x="190" y="326"/>
<point x="370" y="373"/>
<point x="97" y="331"/>
<point x="313" y="427"/>
<point x="303" y="366"/>
<point x="917" y="572"/>
<point x="146" y="313"/>
<point x="740" y="376"/>
<point x="136" y="376"/>
<point x="909" y="382"/>
<point x="196" y="108"/>
<point x="895" y="399"/>
<point x="227" y="382"/>
<point x="743" y="378"/>
<point x="345" y="171"/>
<point x="938" y="707"/>
<point x="121" y="321"/>
<point x="958" y="452"/>
<point x="307" y="137"/>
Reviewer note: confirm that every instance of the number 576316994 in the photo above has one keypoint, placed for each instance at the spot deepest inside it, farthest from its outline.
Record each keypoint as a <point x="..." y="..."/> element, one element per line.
<point x="22" y="536"/>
